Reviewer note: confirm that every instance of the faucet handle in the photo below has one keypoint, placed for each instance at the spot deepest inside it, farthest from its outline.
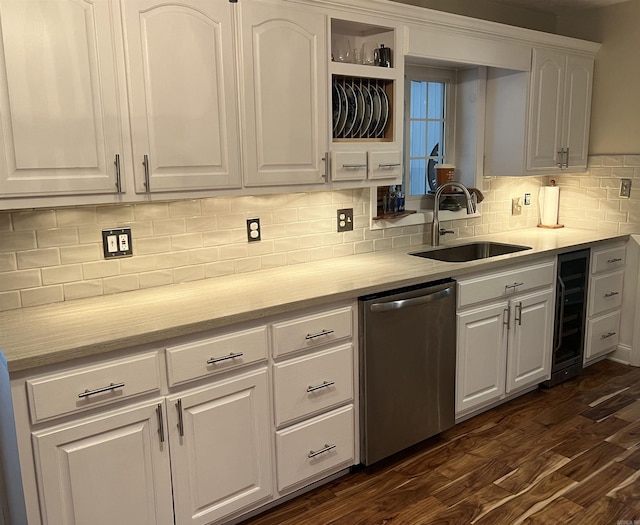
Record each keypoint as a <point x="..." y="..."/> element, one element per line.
<point x="444" y="232"/>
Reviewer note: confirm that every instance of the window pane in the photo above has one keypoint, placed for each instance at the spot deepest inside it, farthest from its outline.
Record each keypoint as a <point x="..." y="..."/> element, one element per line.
<point x="434" y="136"/>
<point x="418" y="99"/>
<point x="418" y="134"/>
<point x="418" y="175"/>
<point x="435" y="100"/>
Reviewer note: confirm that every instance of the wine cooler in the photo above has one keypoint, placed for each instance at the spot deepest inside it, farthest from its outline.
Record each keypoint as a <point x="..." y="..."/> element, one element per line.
<point x="570" y="315"/>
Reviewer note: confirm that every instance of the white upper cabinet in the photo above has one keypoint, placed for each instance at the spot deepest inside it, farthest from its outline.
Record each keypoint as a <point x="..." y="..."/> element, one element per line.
<point x="560" y="111"/>
<point x="284" y="68"/>
<point x="59" y="99"/>
<point x="184" y="116"/>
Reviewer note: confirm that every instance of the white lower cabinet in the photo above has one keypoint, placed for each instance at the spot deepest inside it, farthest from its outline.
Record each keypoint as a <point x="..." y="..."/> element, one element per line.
<point x="504" y="334"/>
<point x="104" y="470"/>
<point x="606" y="284"/>
<point x="220" y="448"/>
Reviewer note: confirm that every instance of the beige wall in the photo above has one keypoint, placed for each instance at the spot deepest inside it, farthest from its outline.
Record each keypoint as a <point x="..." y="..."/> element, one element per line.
<point x="615" y="117"/>
<point x="493" y="11"/>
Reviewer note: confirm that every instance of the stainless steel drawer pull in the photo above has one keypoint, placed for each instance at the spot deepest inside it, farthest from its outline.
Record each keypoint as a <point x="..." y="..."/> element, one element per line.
<point x="607" y="335"/>
<point x="324" y="384"/>
<point x="389" y="166"/>
<point x="514" y="285"/>
<point x="118" y="176"/>
<point x="112" y="386"/>
<point x="224" y="358"/>
<point x="180" y="418"/>
<point x="614" y="260"/>
<point x="160" y="422"/>
<point x="319" y="334"/>
<point x="518" y="314"/>
<point x="326" y="448"/>
<point x="353" y="166"/>
<point x="611" y="294"/>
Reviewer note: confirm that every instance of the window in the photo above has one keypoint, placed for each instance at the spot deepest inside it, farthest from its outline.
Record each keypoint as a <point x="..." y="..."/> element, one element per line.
<point x="428" y="126"/>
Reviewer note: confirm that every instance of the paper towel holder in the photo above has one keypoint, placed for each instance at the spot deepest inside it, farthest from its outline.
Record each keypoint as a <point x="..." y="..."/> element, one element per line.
<point x="552" y="182"/>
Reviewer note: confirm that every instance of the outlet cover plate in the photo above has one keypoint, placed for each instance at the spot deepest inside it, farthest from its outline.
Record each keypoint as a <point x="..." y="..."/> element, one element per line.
<point x="625" y="188"/>
<point x="345" y="220"/>
<point x="253" y="230"/>
<point x="116" y="242"/>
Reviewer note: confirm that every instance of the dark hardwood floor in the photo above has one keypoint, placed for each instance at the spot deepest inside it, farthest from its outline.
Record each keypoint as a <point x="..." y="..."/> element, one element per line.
<point x="567" y="455"/>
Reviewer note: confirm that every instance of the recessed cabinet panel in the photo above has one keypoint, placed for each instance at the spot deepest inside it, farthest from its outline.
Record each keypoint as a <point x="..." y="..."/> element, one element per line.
<point x="577" y="108"/>
<point x="605" y="292"/>
<point x="59" y="102"/>
<point x="546" y="109"/>
<point x="220" y="448"/>
<point x="106" y="470"/>
<point x="284" y="57"/>
<point x="183" y="100"/>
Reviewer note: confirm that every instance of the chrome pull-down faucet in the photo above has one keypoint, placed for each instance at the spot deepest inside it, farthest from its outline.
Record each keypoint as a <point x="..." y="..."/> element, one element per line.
<point x="435" y="226"/>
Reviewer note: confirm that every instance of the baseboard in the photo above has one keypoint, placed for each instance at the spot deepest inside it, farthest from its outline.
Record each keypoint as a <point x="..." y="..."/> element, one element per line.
<point x="622" y="354"/>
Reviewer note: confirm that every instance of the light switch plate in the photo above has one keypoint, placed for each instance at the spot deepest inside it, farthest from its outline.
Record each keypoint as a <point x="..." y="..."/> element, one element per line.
<point x="116" y="242"/>
<point x="625" y="188"/>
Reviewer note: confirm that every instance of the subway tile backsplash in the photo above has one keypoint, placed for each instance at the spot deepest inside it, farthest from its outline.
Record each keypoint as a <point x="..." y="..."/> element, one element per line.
<point x="54" y="255"/>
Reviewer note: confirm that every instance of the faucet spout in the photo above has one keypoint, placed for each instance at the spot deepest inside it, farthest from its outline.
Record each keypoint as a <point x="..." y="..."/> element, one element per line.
<point x="435" y="226"/>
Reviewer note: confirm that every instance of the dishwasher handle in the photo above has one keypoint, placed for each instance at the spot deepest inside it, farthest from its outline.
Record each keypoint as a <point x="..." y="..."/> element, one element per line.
<point x="415" y="301"/>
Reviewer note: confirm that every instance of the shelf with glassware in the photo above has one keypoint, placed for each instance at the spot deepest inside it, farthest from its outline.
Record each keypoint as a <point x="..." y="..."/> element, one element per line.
<point x="365" y="82"/>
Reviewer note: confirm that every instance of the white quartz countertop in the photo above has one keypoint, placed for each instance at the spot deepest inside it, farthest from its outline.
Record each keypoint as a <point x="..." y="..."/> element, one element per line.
<point x="36" y="336"/>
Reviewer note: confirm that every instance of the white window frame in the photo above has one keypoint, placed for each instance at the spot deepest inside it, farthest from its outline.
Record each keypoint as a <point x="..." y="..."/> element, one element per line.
<point x="429" y="74"/>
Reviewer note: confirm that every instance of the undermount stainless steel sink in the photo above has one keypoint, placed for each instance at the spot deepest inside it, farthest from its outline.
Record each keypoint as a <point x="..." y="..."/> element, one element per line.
<point x="471" y="252"/>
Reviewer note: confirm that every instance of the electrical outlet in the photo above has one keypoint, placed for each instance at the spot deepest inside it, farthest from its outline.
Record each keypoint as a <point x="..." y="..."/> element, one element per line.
<point x="253" y="230"/>
<point x="625" y="188"/>
<point x="345" y="220"/>
<point x="116" y="242"/>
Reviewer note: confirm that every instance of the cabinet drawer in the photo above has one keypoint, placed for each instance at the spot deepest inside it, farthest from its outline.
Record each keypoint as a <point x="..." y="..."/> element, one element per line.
<point x="504" y="284"/>
<point x="314" y="447"/>
<point x="75" y="390"/>
<point x="604" y="260"/>
<point x="605" y="292"/>
<point x="602" y="335"/>
<point x="215" y="354"/>
<point x="385" y="164"/>
<point x="349" y="165"/>
<point x="311" y="331"/>
<point x="308" y="384"/>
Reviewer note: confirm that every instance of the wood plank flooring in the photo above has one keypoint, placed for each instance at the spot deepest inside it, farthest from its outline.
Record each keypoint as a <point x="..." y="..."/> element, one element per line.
<point x="569" y="455"/>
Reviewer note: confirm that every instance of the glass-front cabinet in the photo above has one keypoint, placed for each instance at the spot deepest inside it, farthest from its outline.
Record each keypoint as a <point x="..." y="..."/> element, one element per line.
<point x="366" y="74"/>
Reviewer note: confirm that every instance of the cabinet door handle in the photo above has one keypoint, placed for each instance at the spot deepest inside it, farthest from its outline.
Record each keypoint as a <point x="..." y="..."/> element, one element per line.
<point x="566" y="158"/>
<point x="512" y="286"/>
<point x="507" y="316"/>
<point x="319" y="334"/>
<point x="324" y="384"/>
<point x="611" y="294"/>
<point x="353" y="166"/>
<point x="180" y="419"/>
<point x="160" y="422"/>
<point x="563" y="289"/>
<point x="147" y="182"/>
<point x="224" y="358"/>
<point x="326" y="448"/>
<point x="389" y="166"/>
<point x="111" y="386"/>
<point x="116" y="162"/>
<point x="560" y="157"/>
<point x="607" y="335"/>
<point x="327" y="162"/>
<point x="518" y="314"/>
<point x="614" y="260"/>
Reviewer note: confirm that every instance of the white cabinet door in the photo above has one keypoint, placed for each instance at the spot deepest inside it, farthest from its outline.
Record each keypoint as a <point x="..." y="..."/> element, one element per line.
<point x="577" y="109"/>
<point x="105" y="470"/>
<point x="481" y="356"/>
<point x="220" y="448"/>
<point x="546" y="102"/>
<point x="560" y="110"/>
<point x="61" y="126"/>
<point x="182" y="94"/>
<point x="531" y="325"/>
<point x="284" y="56"/>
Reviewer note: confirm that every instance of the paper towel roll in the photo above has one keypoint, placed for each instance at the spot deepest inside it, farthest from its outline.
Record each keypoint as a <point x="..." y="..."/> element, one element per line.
<point x="548" y="200"/>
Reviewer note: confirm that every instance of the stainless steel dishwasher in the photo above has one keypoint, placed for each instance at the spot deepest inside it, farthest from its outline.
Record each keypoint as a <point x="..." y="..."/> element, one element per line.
<point x="408" y="366"/>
